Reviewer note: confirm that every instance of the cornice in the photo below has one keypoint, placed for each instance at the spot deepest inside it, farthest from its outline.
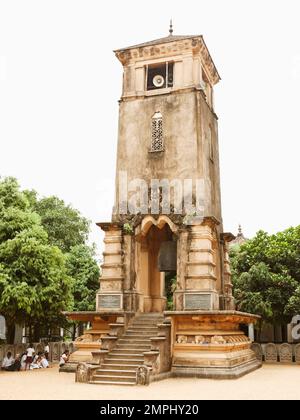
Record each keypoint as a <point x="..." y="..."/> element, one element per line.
<point x="171" y="48"/>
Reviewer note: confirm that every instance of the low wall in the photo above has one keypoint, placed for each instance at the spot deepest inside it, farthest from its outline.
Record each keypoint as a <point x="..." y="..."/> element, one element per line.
<point x="56" y="349"/>
<point x="277" y="353"/>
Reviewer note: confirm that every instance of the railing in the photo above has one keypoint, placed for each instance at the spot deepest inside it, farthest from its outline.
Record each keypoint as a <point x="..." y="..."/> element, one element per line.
<point x="157" y="362"/>
<point x="277" y="353"/>
<point x="56" y="349"/>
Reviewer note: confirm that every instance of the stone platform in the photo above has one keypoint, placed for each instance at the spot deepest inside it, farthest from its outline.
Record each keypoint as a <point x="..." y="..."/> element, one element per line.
<point x="211" y="344"/>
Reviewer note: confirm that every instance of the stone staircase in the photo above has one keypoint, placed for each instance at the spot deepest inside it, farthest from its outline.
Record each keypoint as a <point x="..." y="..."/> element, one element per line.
<point x="120" y="365"/>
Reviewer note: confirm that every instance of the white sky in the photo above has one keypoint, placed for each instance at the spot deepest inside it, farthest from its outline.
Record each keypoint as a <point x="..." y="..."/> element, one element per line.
<point x="60" y="83"/>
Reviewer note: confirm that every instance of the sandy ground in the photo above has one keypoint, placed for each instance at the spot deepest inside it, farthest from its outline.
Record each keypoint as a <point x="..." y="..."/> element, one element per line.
<point x="270" y="382"/>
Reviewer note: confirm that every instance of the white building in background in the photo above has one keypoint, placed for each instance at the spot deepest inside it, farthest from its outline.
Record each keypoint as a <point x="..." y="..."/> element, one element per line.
<point x="2" y="328"/>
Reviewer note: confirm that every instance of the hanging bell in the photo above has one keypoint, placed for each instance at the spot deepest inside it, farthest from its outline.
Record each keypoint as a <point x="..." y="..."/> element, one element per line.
<point x="167" y="257"/>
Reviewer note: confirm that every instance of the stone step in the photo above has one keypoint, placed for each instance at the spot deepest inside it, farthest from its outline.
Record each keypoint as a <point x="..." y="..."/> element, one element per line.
<point x="132" y="340"/>
<point x="139" y="333"/>
<point x="147" y="321"/>
<point x="129" y="346"/>
<point x="141" y="328"/>
<point x="116" y="372"/>
<point x="131" y="350"/>
<point x="107" y="366"/>
<point x="145" y="327"/>
<point x="124" y="361"/>
<point x="114" y="378"/>
<point x="116" y="353"/>
<point x="112" y="383"/>
<point x="148" y="318"/>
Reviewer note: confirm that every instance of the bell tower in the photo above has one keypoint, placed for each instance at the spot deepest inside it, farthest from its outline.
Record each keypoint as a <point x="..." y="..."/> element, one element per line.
<point x="168" y="131"/>
<point x="166" y="262"/>
<point x="168" y="128"/>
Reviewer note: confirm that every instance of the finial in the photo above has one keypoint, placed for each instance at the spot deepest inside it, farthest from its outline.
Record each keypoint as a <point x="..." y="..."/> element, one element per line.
<point x="240" y="230"/>
<point x="171" y="28"/>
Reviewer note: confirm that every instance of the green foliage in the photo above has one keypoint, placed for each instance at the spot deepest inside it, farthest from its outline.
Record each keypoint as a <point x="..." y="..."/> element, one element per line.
<point x="266" y="275"/>
<point x="65" y="226"/>
<point x="37" y="280"/>
<point x="128" y="229"/>
<point x="171" y="284"/>
<point x="84" y="270"/>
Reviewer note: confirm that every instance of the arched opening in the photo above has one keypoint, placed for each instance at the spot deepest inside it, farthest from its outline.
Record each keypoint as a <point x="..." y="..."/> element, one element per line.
<point x="157" y="261"/>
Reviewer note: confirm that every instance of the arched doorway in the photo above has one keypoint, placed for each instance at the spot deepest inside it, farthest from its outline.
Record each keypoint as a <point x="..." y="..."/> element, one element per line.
<point x="157" y="238"/>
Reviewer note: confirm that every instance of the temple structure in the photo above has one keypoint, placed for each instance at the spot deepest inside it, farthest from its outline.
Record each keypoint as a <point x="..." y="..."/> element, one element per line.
<point x="165" y="302"/>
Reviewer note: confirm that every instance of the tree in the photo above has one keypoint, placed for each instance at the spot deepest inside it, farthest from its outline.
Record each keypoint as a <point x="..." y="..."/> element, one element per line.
<point x="65" y="226"/>
<point x="85" y="272"/>
<point x="266" y="276"/>
<point x="34" y="284"/>
<point x="83" y="268"/>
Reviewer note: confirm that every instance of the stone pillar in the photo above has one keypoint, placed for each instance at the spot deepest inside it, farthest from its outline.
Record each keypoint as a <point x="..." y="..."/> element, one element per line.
<point x="200" y="287"/>
<point x="130" y="300"/>
<point x="178" y="74"/>
<point x="110" y="295"/>
<point x="129" y="79"/>
<point x="188" y="67"/>
<point x="251" y="334"/>
<point x="229" y="299"/>
<point x="140" y="80"/>
<point x="182" y="258"/>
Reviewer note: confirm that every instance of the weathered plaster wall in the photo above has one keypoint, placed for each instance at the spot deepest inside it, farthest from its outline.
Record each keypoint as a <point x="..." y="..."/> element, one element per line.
<point x="187" y="119"/>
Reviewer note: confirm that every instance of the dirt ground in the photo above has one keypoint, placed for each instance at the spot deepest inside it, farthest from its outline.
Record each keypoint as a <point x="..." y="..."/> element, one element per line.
<point x="270" y="382"/>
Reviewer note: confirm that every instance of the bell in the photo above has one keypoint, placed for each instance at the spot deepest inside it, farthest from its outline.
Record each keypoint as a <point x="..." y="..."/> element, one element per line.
<point x="167" y="257"/>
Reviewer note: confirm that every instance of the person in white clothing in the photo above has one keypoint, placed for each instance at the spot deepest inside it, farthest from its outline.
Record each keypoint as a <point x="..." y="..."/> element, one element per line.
<point x="30" y="353"/>
<point x="64" y="358"/>
<point x="8" y="361"/>
<point x="46" y="350"/>
<point x="23" y="361"/>
<point x="44" y="362"/>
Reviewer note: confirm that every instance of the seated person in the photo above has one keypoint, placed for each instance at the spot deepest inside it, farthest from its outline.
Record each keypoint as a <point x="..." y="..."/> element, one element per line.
<point x="16" y="366"/>
<point x="7" y="361"/>
<point x="36" y="364"/>
<point x="23" y="361"/>
<point x="44" y="362"/>
<point x="64" y="358"/>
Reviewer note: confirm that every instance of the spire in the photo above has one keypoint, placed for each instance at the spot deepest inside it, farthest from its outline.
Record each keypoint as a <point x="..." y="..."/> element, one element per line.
<point x="171" y="28"/>
<point x="240" y="230"/>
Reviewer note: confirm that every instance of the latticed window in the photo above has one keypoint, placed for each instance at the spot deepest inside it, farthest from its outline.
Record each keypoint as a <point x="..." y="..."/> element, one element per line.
<point x="157" y="140"/>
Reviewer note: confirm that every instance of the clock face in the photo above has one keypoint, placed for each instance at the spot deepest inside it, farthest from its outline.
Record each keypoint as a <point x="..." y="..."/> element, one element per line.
<point x="158" y="81"/>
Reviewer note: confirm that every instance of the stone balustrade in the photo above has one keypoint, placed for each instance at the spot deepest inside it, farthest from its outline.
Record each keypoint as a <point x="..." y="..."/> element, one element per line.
<point x="277" y="353"/>
<point x="56" y="349"/>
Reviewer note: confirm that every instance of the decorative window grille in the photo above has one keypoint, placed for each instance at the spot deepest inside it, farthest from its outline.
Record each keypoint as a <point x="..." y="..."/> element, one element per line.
<point x="157" y="142"/>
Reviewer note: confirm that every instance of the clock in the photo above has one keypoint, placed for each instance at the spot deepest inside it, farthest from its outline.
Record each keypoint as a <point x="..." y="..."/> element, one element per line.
<point x="158" y="81"/>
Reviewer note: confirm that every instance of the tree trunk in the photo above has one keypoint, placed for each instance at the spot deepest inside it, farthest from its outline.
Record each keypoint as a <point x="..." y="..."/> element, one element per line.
<point x="10" y="334"/>
<point x="74" y="332"/>
<point x="36" y="333"/>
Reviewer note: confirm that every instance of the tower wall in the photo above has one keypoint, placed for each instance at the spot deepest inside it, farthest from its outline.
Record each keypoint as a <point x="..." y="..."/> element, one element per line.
<point x="189" y="124"/>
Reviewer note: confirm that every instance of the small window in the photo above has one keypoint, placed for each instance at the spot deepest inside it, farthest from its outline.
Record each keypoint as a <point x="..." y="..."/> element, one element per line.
<point x="157" y="142"/>
<point x="160" y="76"/>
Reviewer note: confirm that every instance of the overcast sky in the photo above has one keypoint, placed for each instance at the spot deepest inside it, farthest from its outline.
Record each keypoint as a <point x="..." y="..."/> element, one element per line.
<point x="60" y="84"/>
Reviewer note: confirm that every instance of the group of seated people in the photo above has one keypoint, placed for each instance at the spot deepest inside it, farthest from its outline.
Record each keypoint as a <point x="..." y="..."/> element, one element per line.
<point x="24" y="361"/>
<point x="30" y="360"/>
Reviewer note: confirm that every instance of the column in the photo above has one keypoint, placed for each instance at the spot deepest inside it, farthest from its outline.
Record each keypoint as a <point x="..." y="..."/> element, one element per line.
<point x="140" y="80"/>
<point x="188" y="68"/>
<point x="229" y="300"/>
<point x="110" y="295"/>
<point x="182" y="258"/>
<point x="200" y="289"/>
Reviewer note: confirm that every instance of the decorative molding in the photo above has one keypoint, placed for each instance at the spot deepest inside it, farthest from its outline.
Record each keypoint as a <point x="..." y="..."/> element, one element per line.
<point x="169" y="48"/>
